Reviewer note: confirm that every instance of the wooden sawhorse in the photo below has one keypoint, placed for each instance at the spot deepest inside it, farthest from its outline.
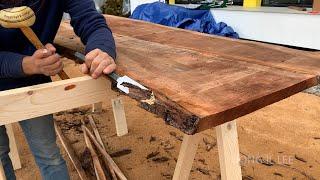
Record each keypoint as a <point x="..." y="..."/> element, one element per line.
<point x="25" y="103"/>
<point x="34" y="101"/>
<point x="228" y="149"/>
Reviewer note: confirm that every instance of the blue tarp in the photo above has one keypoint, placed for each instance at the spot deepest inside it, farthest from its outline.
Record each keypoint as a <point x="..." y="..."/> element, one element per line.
<point x="195" y="20"/>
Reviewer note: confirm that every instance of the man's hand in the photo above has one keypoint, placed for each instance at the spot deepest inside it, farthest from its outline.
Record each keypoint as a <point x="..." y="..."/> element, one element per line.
<point x="98" y="63"/>
<point x="43" y="61"/>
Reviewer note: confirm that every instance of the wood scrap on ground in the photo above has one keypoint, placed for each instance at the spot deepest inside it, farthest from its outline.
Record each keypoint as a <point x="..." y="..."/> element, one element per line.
<point x="73" y="157"/>
<point x="97" y="165"/>
<point x="90" y="159"/>
<point x="120" y="153"/>
<point x="105" y="155"/>
<point x="97" y="135"/>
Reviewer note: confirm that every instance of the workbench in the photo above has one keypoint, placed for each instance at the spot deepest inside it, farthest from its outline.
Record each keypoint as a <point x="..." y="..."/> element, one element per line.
<point x="195" y="81"/>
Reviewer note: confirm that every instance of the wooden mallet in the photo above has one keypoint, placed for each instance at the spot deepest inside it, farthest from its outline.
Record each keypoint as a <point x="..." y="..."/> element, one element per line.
<point x="23" y="17"/>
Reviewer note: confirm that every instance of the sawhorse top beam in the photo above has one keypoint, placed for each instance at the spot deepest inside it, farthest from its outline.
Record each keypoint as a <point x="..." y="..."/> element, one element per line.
<point x="34" y="101"/>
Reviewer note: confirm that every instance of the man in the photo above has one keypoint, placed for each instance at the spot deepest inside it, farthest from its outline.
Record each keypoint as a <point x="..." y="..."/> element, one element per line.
<point x="22" y="65"/>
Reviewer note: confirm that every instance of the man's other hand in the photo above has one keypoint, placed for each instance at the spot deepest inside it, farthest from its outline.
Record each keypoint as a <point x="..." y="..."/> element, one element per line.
<point x="43" y="61"/>
<point x="98" y="63"/>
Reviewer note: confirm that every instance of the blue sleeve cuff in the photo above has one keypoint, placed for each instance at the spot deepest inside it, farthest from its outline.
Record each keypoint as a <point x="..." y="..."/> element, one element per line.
<point x="11" y="65"/>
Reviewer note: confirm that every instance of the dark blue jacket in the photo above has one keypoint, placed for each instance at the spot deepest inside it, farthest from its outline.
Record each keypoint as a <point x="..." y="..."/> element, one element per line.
<point x="88" y="24"/>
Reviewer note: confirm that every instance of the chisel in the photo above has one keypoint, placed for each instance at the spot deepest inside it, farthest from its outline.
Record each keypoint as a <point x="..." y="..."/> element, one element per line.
<point x="119" y="79"/>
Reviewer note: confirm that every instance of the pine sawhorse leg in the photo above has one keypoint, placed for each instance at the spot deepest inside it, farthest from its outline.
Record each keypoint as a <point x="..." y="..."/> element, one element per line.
<point x="187" y="153"/>
<point x="119" y="117"/>
<point x="14" y="153"/>
<point x="97" y="107"/>
<point x="118" y="113"/>
<point x="228" y="148"/>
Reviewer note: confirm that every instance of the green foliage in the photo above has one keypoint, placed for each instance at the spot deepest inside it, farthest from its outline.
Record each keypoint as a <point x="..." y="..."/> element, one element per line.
<point x="113" y="7"/>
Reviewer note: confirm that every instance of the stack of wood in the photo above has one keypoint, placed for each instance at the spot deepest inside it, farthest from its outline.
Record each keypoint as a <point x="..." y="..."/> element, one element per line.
<point x="104" y="170"/>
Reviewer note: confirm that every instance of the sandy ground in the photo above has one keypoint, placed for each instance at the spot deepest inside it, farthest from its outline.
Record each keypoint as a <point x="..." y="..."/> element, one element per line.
<point x="286" y="135"/>
<point x="280" y="141"/>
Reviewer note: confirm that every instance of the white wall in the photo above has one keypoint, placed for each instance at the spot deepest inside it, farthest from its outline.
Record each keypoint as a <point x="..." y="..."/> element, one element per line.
<point x="267" y="24"/>
<point x="295" y="29"/>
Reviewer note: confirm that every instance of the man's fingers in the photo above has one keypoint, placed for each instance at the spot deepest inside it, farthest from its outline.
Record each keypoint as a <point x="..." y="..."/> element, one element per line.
<point x="109" y="69"/>
<point x="58" y="70"/>
<point x="41" y="53"/>
<point x="54" y="72"/>
<point x="50" y="48"/>
<point x="98" y="71"/>
<point x="97" y="61"/>
<point x="91" y="56"/>
<point x="50" y="60"/>
<point x="53" y="67"/>
<point x="46" y="52"/>
<point x="84" y="69"/>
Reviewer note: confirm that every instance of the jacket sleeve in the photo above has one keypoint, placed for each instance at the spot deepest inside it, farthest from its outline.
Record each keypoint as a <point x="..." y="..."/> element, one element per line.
<point x="11" y="65"/>
<point x="90" y="26"/>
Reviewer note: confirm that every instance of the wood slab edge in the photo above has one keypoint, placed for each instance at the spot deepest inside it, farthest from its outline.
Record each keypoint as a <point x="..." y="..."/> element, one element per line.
<point x="256" y="104"/>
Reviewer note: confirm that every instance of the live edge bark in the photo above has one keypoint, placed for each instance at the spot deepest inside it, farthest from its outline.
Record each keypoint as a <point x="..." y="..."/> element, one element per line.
<point x="158" y="104"/>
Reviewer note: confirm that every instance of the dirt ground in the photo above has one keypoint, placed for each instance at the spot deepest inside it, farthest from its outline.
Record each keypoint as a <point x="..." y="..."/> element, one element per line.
<point x="281" y="141"/>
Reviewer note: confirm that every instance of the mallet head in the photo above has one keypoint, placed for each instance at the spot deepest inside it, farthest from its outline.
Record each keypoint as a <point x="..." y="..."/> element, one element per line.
<point x="17" y="17"/>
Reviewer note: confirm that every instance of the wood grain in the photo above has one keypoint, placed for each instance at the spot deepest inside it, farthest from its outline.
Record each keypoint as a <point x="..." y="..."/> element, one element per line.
<point x="34" y="101"/>
<point x="260" y="53"/>
<point x="201" y="81"/>
<point x="228" y="148"/>
<point x="186" y="157"/>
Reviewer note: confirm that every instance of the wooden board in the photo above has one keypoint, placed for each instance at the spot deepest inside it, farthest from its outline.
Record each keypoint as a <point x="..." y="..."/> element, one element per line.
<point x="34" y="101"/>
<point x="201" y="81"/>
<point x="260" y="53"/>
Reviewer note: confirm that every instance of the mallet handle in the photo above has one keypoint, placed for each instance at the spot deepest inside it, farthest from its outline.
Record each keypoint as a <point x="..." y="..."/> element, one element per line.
<point x="28" y="32"/>
<point x="33" y="38"/>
